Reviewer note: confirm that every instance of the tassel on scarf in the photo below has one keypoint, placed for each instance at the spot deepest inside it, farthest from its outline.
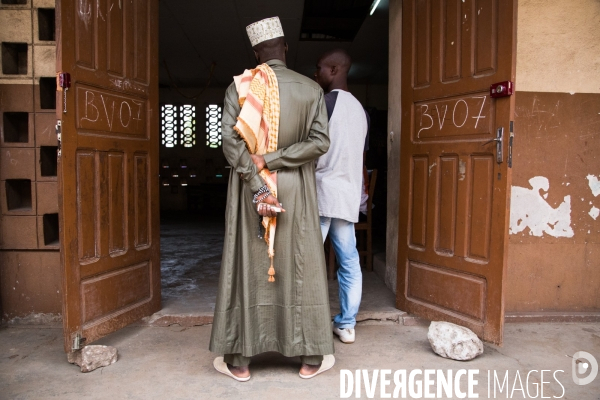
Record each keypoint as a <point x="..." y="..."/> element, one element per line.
<point x="271" y="272"/>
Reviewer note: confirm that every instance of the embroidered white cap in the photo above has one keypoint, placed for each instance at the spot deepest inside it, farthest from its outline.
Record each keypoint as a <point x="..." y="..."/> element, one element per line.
<point x="266" y="29"/>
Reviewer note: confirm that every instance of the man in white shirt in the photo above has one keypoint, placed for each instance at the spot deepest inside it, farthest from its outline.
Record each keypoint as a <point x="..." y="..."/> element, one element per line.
<point x="339" y="183"/>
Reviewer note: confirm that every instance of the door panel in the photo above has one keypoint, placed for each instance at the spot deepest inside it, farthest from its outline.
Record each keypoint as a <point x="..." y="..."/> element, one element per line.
<point x="454" y="194"/>
<point x="108" y="168"/>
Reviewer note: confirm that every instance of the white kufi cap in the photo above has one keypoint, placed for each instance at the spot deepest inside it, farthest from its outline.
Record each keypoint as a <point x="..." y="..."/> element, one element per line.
<point x="266" y="29"/>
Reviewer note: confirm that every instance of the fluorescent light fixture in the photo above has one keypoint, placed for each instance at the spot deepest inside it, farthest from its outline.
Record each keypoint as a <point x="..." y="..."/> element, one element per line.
<point x="374" y="6"/>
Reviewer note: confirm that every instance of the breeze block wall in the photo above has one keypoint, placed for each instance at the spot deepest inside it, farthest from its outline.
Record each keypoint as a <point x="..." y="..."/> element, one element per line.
<point x="29" y="248"/>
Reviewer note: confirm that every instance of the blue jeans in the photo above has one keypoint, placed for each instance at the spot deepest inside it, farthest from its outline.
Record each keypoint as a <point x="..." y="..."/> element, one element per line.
<point x="343" y="239"/>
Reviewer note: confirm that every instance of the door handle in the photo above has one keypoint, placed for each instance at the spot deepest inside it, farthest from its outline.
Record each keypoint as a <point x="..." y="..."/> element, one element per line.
<point x="493" y="140"/>
<point x="499" y="140"/>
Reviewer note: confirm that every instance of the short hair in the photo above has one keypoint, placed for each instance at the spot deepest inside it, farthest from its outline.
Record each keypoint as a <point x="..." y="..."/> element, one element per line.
<point x="338" y="57"/>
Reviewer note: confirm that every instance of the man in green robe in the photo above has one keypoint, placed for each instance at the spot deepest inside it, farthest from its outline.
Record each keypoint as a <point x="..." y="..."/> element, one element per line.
<point x="291" y="315"/>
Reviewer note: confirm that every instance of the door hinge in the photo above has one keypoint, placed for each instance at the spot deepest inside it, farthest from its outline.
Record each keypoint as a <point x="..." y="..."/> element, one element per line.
<point x="58" y="135"/>
<point x="78" y="341"/>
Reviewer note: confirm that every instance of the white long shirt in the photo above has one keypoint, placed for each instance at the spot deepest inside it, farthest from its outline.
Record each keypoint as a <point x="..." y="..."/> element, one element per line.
<point x="339" y="171"/>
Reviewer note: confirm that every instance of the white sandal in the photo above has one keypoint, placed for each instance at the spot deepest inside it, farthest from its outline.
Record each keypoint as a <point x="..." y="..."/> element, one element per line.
<point x="327" y="364"/>
<point x="221" y="366"/>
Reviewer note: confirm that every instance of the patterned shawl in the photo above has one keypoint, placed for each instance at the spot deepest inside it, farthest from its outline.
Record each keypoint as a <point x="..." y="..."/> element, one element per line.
<point x="258" y="126"/>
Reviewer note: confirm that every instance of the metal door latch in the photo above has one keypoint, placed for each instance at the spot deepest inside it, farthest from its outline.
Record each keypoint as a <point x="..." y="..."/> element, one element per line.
<point x="499" y="140"/>
<point x="63" y="83"/>
<point x="58" y="134"/>
<point x="502" y="89"/>
<point x="511" y="137"/>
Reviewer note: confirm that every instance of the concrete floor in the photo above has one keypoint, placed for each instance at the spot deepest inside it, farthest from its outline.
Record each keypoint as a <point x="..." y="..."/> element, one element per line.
<point x="165" y="356"/>
<point x="174" y="363"/>
<point x="191" y="247"/>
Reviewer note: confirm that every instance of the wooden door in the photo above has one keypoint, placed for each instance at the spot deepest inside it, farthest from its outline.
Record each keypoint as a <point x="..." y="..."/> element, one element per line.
<point x="454" y="194"/>
<point x="108" y="164"/>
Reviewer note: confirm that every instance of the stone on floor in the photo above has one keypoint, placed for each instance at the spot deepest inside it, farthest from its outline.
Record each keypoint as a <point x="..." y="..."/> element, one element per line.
<point x="93" y="357"/>
<point x="454" y="341"/>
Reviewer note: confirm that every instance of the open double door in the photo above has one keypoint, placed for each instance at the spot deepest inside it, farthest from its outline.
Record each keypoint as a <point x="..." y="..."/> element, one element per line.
<point x="454" y="197"/>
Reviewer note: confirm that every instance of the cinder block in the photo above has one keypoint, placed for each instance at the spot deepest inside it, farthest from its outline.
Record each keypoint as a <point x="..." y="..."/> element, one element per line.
<point x="44" y="3"/>
<point x="16" y="60"/>
<point x="47" y="198"/>
<point x="18" y="197"/>
<point x="30" y="282"/>
<point x="45" y="129"/>
<point x="16" y="97"/>
<point x="13" y="131"/>
<point x="44" y="61"/>
<point x="17" y="163"/>
<point x="44" y="25"/>
<point x="15" y="4"/>
<point x="46" y="167"/>
<point x="44" y="94"/>
<point x="16" y="26"/>
<point x="18" y="232"/>
<point x="47" y="226"/>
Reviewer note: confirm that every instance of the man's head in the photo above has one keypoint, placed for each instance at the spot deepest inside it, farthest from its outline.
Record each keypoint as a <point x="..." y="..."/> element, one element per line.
<point x="272" y="49"/>
<point x="266" y="37"/>
<point x="332" y="70"/>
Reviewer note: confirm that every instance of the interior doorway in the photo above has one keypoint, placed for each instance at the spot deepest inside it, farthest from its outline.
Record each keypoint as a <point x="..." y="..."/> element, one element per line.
<point x="202" y="46"/>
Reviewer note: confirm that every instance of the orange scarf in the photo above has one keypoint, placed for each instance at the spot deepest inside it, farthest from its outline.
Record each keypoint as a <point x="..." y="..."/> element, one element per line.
<point x="258" y="126"/>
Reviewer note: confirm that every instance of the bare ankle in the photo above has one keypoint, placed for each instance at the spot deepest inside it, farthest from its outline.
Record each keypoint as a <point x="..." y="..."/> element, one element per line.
<point x="308" y="369"/>
<point x="240" y="372"/>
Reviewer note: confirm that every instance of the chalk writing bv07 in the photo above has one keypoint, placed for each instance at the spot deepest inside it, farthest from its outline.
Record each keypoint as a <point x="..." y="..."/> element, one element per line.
<point x="453" y="117"/>
<point x="106" y="111"/>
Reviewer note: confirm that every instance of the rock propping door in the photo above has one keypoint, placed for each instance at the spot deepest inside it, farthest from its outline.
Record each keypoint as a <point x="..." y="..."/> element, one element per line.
<point x="108" y="169"/>
<point x="454" y="196"/>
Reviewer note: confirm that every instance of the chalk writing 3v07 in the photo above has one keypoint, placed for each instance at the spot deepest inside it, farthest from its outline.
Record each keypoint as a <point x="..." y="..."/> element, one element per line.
<point x="466" y="115"/>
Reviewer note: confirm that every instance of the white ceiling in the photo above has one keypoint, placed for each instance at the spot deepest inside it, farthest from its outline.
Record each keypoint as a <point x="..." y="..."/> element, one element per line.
<point x="193" y="34"/>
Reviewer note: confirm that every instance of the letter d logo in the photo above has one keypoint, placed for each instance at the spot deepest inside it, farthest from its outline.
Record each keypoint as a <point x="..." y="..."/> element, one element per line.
<point x="580" y="367"/>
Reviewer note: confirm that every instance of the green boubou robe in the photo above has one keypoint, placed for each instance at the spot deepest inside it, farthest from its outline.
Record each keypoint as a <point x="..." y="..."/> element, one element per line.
<point x="291" y="315"/>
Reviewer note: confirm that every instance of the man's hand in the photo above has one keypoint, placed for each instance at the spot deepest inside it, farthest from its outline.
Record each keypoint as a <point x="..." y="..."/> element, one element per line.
<point x="259" y="161"/>
<point x="264" y="207"/>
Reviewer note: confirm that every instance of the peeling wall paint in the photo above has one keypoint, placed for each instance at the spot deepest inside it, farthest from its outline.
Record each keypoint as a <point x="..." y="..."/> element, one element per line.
<point x="594" y="183"/>
<point x="594" y="212"/>
<point x="529" y="209"/>
<point x="556" y="137"/>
